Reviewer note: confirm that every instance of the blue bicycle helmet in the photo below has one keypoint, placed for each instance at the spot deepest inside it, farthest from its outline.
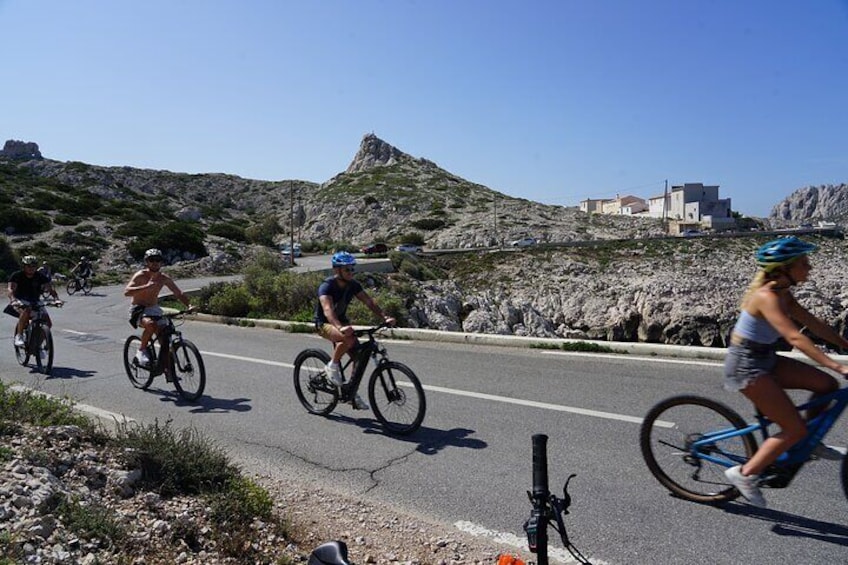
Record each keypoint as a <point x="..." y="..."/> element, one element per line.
<point x="782" y="251"/>
<point x="343" y="259"/>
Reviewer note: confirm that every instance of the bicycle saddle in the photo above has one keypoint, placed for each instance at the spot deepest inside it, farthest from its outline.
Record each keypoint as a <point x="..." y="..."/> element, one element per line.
<point x="329" y="553"/>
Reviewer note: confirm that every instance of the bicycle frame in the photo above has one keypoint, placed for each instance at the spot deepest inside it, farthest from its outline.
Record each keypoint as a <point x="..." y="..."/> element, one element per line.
<point x="360" y="355"/>
<point x="781" y="472"/>
<point x="164" y="336"/>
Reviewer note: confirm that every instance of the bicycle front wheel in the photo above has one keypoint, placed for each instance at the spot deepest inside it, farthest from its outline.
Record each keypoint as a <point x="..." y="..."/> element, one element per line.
<point x="667" y="439"/>
<point x="22" y="351"/>
<point x="311" y="383"/>
<point x="72" y="287"/>
<point x="139" y="376"/>
<point x="87" y="285"/>
<point x="397" y="398"/>
<point x="187" y="370"/>
<point x="42" y="348"/>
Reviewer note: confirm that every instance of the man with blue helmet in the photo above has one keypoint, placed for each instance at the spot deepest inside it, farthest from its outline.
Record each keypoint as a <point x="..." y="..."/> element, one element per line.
<point x="334" y="295"/>
<point x="769" y="311"/>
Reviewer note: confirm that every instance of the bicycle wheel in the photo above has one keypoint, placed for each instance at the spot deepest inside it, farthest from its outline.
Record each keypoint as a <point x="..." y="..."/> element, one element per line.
<point x="72" y="287"/>
<point x="666" y="438"/>
<point x="397" y="398"/>
<point x="844" y="474"/>
<point x="87" y="285"/>
<point x="42" y="348"/>
<point x="187" y="370"/>
<point x="22" y="351"/>
<point x="314" y="390"/>
<point x="139" y="376"/>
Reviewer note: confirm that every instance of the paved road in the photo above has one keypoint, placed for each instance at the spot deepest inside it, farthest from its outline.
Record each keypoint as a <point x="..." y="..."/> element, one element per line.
<point x="470" y="462"/>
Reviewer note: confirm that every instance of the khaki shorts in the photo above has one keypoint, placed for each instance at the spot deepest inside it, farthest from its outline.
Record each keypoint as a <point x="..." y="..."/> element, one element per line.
<point x="325" y="329"/>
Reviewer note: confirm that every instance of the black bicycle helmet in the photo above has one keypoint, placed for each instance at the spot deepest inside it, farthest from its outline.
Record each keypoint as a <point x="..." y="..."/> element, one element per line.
<point x="781" y="251"/>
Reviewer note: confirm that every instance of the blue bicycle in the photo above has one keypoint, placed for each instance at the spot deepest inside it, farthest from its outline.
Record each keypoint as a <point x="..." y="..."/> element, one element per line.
<point x="689" y="441"/>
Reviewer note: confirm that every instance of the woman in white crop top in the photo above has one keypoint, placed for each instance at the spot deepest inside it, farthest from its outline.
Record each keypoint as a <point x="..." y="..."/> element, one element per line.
<point x="752" y="366"/>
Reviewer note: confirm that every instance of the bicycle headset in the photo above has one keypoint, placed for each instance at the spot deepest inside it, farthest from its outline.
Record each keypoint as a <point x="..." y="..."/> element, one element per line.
<point x="343" y="259"/>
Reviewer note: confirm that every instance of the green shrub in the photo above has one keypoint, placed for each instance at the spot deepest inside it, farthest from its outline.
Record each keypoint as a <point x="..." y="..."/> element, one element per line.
<point x="414" y="238"/>
<point x="174" y="462"/>
<point x="24" y="221"/>
<point x="92" y="521"/>
<point x="171" y="237"/>
<point x="33" y="408"/>
<point x="228" y="230"/>
<point x="427" y="224"/>
<point x="232" y="301"/>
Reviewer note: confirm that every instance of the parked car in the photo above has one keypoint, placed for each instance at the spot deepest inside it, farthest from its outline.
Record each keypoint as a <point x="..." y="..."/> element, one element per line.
<point x="286" y="251"/>
<point x="408" y="248"/>
<point x="524" y="242"/>
<point x="691" y="233"/>
<point x="374" y="248"/>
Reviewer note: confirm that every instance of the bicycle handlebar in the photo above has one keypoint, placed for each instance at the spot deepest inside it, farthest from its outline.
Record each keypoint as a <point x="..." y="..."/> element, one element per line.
<point x="370" y="331"/>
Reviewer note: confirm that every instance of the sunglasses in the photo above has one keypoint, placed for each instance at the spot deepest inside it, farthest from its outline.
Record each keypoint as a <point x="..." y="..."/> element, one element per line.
<point x="349" y="269"/>
<point x="154" y="259"/>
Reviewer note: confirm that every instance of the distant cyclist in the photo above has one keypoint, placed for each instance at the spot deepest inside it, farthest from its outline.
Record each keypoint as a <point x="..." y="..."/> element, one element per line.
<point x="752" y="366"/>
<point x="334" y="295"/>
<point x="25" y="289"/>
<point x="144" y="287"/>
<point x="45" y="270"/>
<point x="83" y="270"/>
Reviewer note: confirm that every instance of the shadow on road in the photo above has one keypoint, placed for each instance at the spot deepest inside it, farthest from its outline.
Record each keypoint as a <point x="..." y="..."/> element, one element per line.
<point x="786" y="524"/>
<point x="430" y="440"/>
<point x="205" y="404"/>
<point x="69" y="373"/>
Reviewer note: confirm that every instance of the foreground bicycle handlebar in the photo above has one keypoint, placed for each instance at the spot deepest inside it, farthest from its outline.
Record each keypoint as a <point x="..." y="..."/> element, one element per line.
<point x="548" y="509"/>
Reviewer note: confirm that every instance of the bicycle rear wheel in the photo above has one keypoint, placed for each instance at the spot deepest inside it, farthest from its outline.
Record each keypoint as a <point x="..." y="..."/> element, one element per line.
<point x="397" y="398"/>
<point x="72" y="287"/>
<point x="22" y="351"/>
<point x="139" y="376"/>
<point x="42" y="348"/>
<point x="187" y="370"/>
<point x="87" y="285"/>
<point x="311" y="383"/>
<point x="667" y="436"/>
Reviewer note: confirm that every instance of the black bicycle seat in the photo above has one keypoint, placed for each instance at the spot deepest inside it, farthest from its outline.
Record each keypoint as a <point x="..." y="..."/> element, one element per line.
<point x="329" y="553"/>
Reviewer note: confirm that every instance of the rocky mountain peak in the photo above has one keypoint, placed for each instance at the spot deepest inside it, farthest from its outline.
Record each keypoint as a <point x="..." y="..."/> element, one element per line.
<point x="374" y="152"/>
<point x="14" y="149"/>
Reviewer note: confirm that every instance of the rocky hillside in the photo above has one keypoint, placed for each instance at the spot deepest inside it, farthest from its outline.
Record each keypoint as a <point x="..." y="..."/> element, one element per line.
<point x="813" y="203"/>
<point x="674" y="291"/>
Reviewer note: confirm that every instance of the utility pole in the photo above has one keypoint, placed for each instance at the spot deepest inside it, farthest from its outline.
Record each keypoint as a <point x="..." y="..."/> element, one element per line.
<point x="665" y="211"/>
<point x="291" y="222"/>
<point x="495" y="211"/>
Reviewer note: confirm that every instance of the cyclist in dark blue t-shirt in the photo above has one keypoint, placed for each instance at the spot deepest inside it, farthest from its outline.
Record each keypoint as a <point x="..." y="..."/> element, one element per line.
<point x="25" y="289"/>
<point x="334" y="296"/>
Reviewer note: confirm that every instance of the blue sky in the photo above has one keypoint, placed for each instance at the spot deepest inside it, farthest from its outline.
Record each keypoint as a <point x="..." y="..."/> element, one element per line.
<point x="554" y="101"/>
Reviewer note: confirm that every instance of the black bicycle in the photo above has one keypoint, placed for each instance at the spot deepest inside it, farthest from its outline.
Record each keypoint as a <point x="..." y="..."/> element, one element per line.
<point x="548" y="509"/>
<point x="38" y="339"/>
<point x="170" y="354"/>
<point x="395" y="393"/>
<point x="79" y="283"/>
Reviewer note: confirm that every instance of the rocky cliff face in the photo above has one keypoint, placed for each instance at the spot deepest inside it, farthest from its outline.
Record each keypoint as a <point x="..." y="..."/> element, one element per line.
<point x="826" y="202"/>
<point x="672" y="292"/>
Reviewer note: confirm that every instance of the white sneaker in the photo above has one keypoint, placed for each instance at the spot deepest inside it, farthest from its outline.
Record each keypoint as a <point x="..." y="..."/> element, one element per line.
<point x="19" y="340"/>
<point x="822" y="451"/>
<point x="746" y="485"/>
<point x="142" y="358"/>
<point x="335" y="374"/>
<point x="359" y="403"/>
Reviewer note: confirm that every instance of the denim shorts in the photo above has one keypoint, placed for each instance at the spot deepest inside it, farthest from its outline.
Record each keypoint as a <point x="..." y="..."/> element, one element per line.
<point x="743" y="365"/>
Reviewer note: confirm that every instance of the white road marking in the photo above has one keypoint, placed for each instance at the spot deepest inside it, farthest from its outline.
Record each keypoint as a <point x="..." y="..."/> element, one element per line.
<point x="635" y="358"/>
<point x="248" y="359"/>
<point x="478" y="395"/>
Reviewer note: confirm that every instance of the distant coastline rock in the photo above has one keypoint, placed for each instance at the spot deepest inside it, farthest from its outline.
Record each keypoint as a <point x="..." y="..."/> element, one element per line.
<point x="20" y="150"/>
